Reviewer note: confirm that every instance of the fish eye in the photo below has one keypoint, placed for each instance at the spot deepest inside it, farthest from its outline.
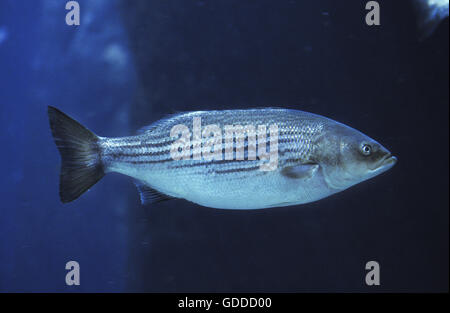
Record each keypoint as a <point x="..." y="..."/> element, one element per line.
<point x="366" y="149"/>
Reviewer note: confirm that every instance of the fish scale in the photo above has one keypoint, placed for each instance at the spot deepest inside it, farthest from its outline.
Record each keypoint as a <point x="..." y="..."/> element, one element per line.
<point x="151" y="163"/>
<point x="155" y="143"/>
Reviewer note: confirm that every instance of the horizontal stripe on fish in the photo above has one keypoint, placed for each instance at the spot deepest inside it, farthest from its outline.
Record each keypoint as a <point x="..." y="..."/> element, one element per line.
<point x="149" y="158"/>
<point x="146" y="148"/>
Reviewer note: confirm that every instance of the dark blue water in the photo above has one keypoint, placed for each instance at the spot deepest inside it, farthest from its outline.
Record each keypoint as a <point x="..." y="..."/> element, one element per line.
<point x="130" y="63"/>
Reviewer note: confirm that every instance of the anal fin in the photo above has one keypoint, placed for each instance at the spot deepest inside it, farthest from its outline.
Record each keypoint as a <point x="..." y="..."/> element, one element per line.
<point x="149" y="195"/>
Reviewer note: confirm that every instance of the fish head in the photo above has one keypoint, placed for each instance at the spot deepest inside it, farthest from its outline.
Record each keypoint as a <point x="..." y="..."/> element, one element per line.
<point x="350" y="157"/>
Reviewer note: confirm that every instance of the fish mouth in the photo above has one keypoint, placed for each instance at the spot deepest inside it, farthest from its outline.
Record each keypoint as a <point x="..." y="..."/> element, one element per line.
<point x="386" y="162"/>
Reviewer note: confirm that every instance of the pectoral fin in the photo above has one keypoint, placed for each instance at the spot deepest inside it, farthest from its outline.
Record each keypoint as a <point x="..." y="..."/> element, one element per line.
<point x="300" y="171"/>
<point x="149" y="195"/>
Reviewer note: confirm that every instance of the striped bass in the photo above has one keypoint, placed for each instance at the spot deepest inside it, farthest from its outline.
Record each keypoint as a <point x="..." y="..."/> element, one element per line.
<point x="221" y="159"/>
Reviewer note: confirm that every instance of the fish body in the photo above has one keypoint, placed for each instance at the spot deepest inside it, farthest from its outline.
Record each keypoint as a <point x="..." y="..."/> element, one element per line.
<point x="310" y="157"/>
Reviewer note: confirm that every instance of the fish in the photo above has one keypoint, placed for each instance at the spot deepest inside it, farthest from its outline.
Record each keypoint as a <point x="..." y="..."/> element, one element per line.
<point x="430" y="14"/>
<point x="228" y="159"/>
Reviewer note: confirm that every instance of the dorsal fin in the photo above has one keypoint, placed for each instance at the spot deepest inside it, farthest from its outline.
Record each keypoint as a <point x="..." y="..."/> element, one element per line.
<point x="149" y="195"/>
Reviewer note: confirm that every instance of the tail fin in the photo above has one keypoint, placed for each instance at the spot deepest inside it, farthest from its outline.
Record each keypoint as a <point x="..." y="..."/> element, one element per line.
<point x="81" y="164"/>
